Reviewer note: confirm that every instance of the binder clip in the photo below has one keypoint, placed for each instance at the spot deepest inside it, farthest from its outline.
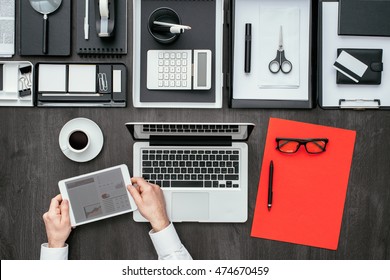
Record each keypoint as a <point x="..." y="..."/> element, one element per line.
<point x="25" y="81"/>
<point x="105" y="17"/>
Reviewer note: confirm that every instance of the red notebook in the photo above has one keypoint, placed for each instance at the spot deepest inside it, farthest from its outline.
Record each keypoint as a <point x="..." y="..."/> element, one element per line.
<point x="308" y="189"/>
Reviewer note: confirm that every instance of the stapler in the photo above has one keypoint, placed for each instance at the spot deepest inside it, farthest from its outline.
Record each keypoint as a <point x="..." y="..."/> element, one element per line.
<point x="105" y="17"/>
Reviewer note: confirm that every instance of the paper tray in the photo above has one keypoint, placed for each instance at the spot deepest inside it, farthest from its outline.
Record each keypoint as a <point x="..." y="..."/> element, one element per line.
<point x="54" y="95"/>
<point x="206" y="20"/>
<point x="244" y="90"/>
<point x="11" y="84"/>
<point x="332" y="95"/>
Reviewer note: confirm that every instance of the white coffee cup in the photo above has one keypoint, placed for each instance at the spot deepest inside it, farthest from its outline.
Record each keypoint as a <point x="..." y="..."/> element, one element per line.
<point x="77" y="141"/>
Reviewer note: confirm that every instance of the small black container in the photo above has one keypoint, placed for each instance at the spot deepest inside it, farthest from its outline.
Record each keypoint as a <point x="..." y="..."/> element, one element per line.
<point x="159" y="33"/>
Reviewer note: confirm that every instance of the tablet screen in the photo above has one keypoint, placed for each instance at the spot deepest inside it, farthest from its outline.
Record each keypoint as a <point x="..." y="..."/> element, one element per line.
<point x="98" y="195"/>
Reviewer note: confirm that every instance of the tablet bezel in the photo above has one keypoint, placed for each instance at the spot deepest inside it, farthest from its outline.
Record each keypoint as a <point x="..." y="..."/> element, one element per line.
<point x="126" y="178"/>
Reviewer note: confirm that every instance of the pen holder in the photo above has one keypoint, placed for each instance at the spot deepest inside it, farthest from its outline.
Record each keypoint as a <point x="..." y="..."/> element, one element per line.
<point x="159" y="33"/>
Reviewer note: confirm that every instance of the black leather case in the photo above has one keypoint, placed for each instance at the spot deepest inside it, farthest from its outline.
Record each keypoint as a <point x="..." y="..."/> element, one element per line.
<point x="372" y="58"/>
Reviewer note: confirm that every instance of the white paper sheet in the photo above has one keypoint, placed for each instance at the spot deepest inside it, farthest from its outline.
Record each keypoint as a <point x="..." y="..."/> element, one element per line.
<point x="7" y="28"/>
<point x="52" y="78"/>
<point x="82" y="78"/>
<point x="271" y="19"/>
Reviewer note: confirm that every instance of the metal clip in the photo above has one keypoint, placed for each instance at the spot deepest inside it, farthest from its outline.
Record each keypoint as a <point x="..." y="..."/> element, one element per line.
<point x="103" y="84"/>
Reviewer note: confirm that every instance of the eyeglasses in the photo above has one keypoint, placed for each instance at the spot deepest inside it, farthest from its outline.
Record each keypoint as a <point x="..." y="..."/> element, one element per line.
<point x="291" y="145"/>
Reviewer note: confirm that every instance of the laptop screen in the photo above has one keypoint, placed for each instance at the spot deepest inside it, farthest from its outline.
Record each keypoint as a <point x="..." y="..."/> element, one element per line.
<point x="237" y="131"/>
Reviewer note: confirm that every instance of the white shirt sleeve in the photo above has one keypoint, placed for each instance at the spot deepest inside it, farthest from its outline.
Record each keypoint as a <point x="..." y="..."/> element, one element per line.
<point x="168" y="245"/>
<point x="166" y="242"/>
<point x="54" y="253"/>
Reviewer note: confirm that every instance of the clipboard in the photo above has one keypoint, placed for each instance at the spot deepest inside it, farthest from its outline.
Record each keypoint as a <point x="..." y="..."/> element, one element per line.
<point x="309" y="190"/>
<point x="245" y="89"/>
<point x="353" y="96"/>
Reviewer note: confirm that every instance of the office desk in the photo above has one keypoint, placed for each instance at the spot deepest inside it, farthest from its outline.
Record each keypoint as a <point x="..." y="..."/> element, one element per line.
<point x="31" y="164"/>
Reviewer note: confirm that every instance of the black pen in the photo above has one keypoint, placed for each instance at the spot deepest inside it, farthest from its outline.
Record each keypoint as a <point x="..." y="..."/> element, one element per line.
<point x="271" y="175"/>
<point x="248" y="44"/>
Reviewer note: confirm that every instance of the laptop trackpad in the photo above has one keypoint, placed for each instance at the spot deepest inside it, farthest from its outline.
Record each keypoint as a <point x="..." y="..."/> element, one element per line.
<point x="187" y="206"/>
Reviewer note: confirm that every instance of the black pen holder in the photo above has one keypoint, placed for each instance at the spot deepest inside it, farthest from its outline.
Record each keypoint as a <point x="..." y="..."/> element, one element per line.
<point x="160" y="33"/>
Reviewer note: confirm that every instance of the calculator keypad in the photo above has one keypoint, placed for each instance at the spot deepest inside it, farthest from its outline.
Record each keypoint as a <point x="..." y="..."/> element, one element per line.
<point x="169" y="69"/>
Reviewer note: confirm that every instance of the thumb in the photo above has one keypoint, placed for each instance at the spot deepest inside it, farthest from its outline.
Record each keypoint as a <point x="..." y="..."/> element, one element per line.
<point x="65" y="211"/>
<point x="135" y="194"/>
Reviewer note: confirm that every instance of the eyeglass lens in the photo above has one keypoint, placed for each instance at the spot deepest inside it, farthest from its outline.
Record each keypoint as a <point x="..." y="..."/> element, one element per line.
<point x="291" y="146"/>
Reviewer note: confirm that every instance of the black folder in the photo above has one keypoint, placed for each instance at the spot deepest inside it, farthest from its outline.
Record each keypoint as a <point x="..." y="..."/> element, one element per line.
<point x="364" y="17"/>
<point x="59" y="30"/>
<point x="95" y="45"/>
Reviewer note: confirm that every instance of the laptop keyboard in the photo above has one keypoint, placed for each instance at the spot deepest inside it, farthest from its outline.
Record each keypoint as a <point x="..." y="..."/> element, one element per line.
<point x="191" y="168"/>
<point x="190" y="128"/>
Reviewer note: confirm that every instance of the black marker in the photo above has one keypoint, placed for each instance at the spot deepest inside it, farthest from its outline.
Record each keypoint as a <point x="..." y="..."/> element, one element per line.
<point x="1" y="76"/>
<point x="248" y="44"/>
<point x="271" y="175"/>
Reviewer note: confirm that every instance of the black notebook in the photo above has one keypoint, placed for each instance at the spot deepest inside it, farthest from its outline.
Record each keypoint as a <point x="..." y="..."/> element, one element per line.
<point x="114" y="45"/>
<point x="31" y="30"/>
<point x="364" y="17"/>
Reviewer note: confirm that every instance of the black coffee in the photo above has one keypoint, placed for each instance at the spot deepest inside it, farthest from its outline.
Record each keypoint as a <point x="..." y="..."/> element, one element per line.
<point x="78" y="140"/>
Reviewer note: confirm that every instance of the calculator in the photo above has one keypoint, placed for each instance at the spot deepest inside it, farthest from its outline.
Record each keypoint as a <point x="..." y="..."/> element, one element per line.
<point x="179" y="69"/>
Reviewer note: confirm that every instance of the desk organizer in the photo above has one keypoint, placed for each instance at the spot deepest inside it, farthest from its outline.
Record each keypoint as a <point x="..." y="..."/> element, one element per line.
<point x="81" y="85"/>
<point x="347" y="96"/>
<point x="260" y="88"/>
<point x="115" y="43"/>
<point x="16" y="83"/>
<point x="206" y="20"/>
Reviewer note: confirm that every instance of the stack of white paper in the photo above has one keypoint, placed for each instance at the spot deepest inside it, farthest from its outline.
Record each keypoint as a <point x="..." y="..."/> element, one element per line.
<point x="7" y="28"/>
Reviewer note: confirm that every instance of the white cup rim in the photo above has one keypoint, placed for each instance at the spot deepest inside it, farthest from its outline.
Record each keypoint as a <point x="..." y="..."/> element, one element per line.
<point x="69" y="147"/>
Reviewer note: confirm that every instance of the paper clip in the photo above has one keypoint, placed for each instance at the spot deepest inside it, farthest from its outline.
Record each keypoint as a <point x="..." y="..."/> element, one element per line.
<point x="103" y="84"/>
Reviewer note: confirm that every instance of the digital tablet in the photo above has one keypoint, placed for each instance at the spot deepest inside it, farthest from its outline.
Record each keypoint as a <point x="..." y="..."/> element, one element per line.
<point x="98" y="195"/>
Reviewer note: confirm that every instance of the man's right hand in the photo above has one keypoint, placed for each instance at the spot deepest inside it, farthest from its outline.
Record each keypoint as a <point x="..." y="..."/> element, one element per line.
<point x="150" y="202"/>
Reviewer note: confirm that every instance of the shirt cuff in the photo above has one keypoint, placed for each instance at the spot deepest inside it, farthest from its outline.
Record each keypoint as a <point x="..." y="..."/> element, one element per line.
<point x="166" y="241"/>
<point x="54" y="253"/>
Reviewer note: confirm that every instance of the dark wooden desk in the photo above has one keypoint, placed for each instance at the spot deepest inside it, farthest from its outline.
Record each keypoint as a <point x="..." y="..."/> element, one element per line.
<point x="31" y="164"/>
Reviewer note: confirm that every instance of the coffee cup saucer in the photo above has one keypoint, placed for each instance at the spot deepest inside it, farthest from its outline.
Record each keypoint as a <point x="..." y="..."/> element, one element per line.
<point x="95" y="137"/>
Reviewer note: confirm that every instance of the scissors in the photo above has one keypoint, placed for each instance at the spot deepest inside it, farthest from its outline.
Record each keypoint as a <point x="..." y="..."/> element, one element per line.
<point x="280" y="62"/>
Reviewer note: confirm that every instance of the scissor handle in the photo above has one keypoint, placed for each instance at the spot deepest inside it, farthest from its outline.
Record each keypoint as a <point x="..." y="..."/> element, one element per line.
<point x="280" y="63"/>
<point x="274" y="66"/>
<point x="286" y="65"/>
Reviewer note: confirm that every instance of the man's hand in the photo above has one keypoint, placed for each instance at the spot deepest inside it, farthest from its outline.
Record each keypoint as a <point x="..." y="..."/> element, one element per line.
<point x="150" y="202"/>
<point x="57" y="222"/>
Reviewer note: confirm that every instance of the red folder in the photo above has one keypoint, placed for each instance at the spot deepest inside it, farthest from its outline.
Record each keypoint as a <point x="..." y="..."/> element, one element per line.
<point x="308" y="189"/>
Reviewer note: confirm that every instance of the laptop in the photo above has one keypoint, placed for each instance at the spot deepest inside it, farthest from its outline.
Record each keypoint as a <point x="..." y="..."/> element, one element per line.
<point x="202" y="168"/>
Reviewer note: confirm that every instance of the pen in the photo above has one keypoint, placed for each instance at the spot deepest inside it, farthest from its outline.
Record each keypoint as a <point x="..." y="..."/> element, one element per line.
<point x="271" y="175"/>
<point x="86" y="19"/>
<point x="172" y="24"/>
<point x="248" y="45"/>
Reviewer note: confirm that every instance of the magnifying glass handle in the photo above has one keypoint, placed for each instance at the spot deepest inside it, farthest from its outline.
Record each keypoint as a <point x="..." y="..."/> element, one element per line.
<point x="45" y="30"/>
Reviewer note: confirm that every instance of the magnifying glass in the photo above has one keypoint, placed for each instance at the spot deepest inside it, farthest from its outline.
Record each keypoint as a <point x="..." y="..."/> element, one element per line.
<point x="45" y="7"/>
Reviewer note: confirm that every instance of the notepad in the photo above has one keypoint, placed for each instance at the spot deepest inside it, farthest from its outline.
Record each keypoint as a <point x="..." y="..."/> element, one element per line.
<point x="82" y="78"/>
<point x="52" y="78"/>
<point x="364" y="17"/>
<point x="308" y="190"/>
